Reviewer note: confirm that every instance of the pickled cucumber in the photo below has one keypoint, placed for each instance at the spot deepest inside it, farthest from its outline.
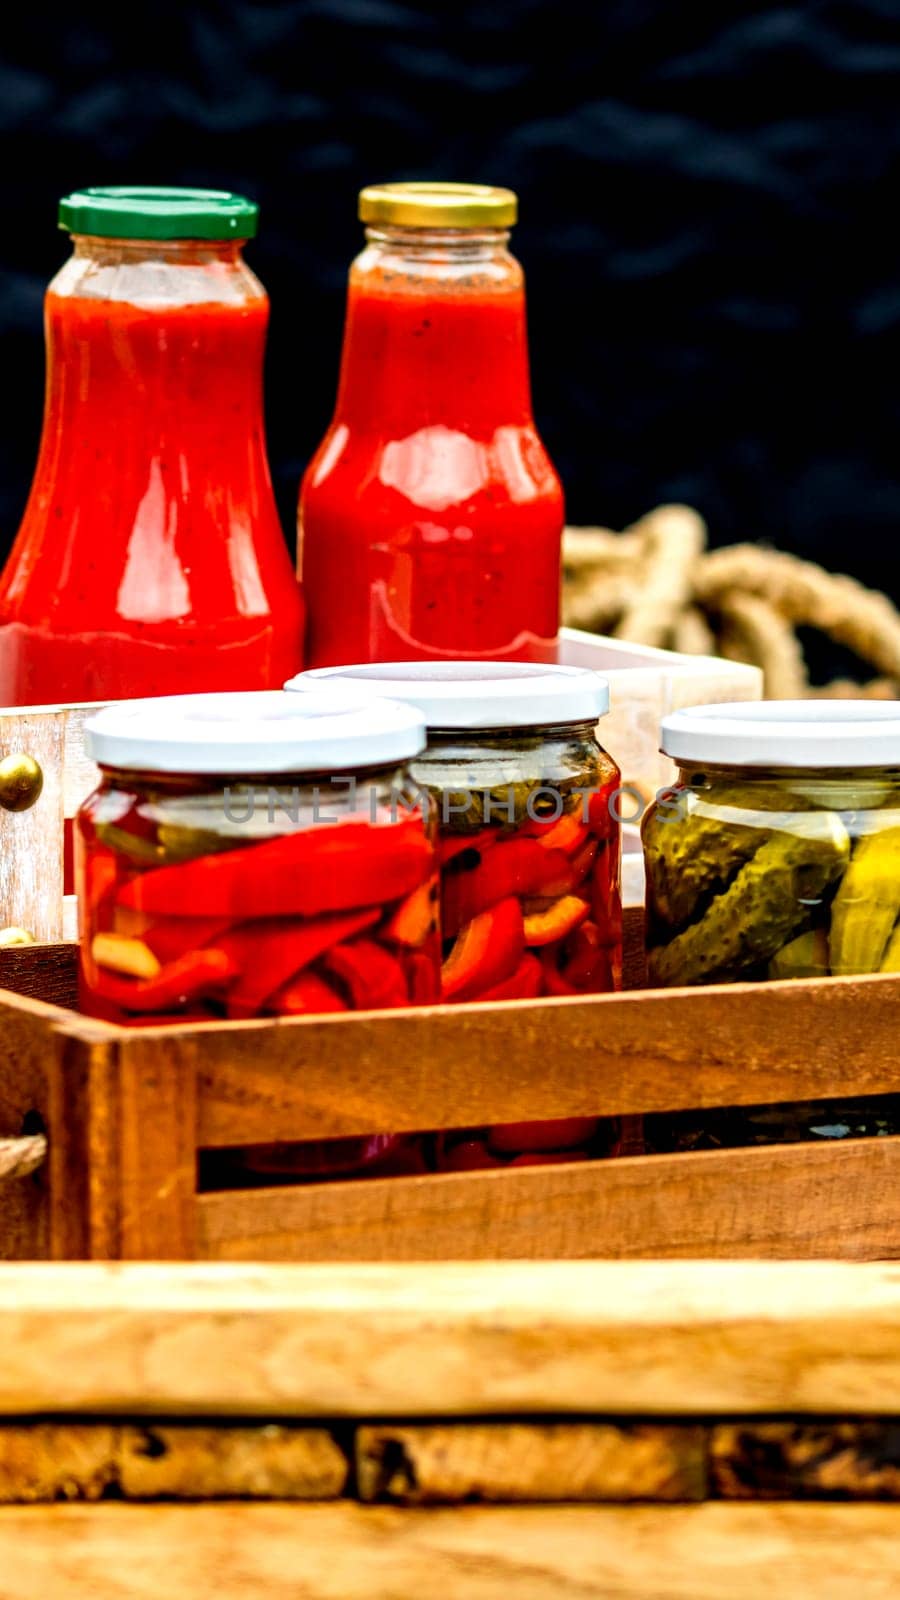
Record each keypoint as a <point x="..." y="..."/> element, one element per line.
<point x="891" y="958"/>
<point x="804" y="957"/>
<point x="691" y="856"/>
<point x="771" y="900"/>
<point x="867" y="904"/>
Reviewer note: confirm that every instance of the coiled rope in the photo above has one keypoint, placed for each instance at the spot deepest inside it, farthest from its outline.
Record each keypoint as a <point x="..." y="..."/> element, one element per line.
<point x="22" y="1156"/>
<point x="658" y="584"/>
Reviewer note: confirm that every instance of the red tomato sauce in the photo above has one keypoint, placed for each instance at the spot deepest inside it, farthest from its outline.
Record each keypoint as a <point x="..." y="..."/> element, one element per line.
<point x="150" y="558"/>
<point x="431" y="515"/>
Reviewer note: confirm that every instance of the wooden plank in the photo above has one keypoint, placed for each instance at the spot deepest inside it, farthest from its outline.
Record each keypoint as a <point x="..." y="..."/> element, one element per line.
<point x="56" y="1461"/>
<point x="450" y="1463"/>
<point x="774" y="1202"/>
<point x="796" y="1460"/>
<point x="351" y="1552"/>
<point x="31" y="842"/>
<point x="122" y="1152"/>
<point x="27" y="1046"/>
<point x="739" y="1044"/>
<point x="49" y="1461"/>
<point x="636" y="1339"/>
<point x="47" y="972"/>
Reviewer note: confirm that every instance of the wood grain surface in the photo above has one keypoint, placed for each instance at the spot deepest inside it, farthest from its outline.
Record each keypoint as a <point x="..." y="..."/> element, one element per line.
<point x="743" y="1044"/>
<point x="780" y="1201"/>
<point x="122" y="1152"/>
<point x="27" y="1048"/>
<point x="634" y="1339"/>
<point x="350" y="1552"/>
<point x="447" y="1463"/>
<point x="75" y="1460"/>
<point x="46" y="972"/>
<point x="787" y="1460"/>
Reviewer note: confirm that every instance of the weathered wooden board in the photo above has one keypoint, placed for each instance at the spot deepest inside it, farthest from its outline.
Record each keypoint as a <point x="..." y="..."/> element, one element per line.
<point x="123" y="1151"/>
<point x="434" y="1463"/>
<point x="458" y="1066"/>
<point x="351" y="1552"/>
<point x="638" y="1339"/>
<point x="781" y="1460"/>
<point x="774" y="1202"/>
<point x="47" y="1461"/>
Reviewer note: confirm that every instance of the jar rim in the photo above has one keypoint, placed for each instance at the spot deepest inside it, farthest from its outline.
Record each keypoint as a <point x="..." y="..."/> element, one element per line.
<point x="478" y="696"/>
<point x="252" y="732"/>
<point x="797" y="734"/>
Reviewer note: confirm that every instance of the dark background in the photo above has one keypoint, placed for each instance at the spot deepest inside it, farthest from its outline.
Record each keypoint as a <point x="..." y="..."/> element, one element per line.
<point x="709" y="200"/>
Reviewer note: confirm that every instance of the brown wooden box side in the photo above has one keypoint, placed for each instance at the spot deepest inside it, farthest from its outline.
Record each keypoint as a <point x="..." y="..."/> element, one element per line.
<point x="716" y="1339"/>
<point x="775" y="1202"/>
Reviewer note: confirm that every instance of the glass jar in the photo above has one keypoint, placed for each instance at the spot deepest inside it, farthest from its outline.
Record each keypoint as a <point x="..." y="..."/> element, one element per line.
<point x="430" y="517"/>
<point x="777" y="855"/>
<point x="253" y="855"/>
<point x="150" y="552"/>
<point x="529" y="835"/>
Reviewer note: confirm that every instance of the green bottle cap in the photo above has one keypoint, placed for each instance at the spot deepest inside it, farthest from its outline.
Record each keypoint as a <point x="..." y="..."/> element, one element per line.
<point x="128" y="213"/>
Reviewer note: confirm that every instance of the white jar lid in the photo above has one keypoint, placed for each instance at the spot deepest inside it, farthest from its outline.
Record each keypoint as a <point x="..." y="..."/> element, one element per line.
<point x="262" y="732"/>
<point x="787" y="733"/>
<point x="487" y="695"/>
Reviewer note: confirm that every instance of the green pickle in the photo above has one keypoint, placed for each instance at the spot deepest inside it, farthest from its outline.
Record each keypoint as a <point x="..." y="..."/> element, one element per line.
<point x="775" y="875"/>
<point x="770" y="900"/>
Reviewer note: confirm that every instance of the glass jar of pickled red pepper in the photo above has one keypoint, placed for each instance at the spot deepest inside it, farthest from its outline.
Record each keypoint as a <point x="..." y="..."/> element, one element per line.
<point x="529" y="836"/>
<point x="777" y="854"/>
<point x="257" y="855"/>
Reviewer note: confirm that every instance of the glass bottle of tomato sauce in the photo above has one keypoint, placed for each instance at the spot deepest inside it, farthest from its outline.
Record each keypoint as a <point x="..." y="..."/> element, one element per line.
<point x="431" y="516"/>
<point x="151" y="557"/>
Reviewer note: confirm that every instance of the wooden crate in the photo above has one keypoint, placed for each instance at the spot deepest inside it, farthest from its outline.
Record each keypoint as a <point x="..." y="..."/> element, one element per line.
<point x="127" y="1111"/>
<point x="645" y="684"/>
<point x="650" y="1431"/>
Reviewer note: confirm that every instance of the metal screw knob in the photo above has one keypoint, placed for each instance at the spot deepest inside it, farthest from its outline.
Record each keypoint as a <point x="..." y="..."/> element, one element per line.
<point x="21" y="781"/>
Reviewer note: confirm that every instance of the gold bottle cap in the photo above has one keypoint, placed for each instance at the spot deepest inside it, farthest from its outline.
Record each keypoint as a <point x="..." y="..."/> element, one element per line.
<point x="438" y="205"/>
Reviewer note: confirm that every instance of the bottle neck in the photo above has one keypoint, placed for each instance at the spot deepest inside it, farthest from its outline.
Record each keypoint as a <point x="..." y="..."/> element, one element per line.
<point x="435" y="334"/>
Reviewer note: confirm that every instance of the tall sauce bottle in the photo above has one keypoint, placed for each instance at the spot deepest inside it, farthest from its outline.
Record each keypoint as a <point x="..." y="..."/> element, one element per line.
<point x="150" y="558"/>
<point x="431" y="516"/>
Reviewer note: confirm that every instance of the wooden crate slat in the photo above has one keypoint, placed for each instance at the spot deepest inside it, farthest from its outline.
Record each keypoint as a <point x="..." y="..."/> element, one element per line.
<point x="795" y="1459"/>
<point x="345" y="1551"/>
<point x="27" y="1049"/>
<point x="451" y="1463"/>
<point x="86" y="1460"/>
<point x="611" y="1338"/>
<point x="744" y="1044"/>
<point x="31" y="842"/>
<point x="123" y="1152"/>
<point x="776" y="1201"/>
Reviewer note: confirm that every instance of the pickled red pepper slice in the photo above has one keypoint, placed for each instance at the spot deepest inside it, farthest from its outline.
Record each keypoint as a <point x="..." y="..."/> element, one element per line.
<point x="198" y="973"/>
<point x="322" y="869"/>
<point x="567" y="833"/>
<point x="513" y="867"/>
<point x="487" y="951"/>
<point x="373" y="976"/>
<point x="524" y="983"/>
<point x="452" y="845"/>
<point x="271" y="951"/>
<point x="306" y="993"/>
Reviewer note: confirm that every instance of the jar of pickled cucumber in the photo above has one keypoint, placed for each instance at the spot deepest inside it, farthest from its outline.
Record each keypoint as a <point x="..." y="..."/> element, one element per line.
<point x="777" y="854"/>
<point x="257" y="855"/>
<point x="529" y="836"/>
